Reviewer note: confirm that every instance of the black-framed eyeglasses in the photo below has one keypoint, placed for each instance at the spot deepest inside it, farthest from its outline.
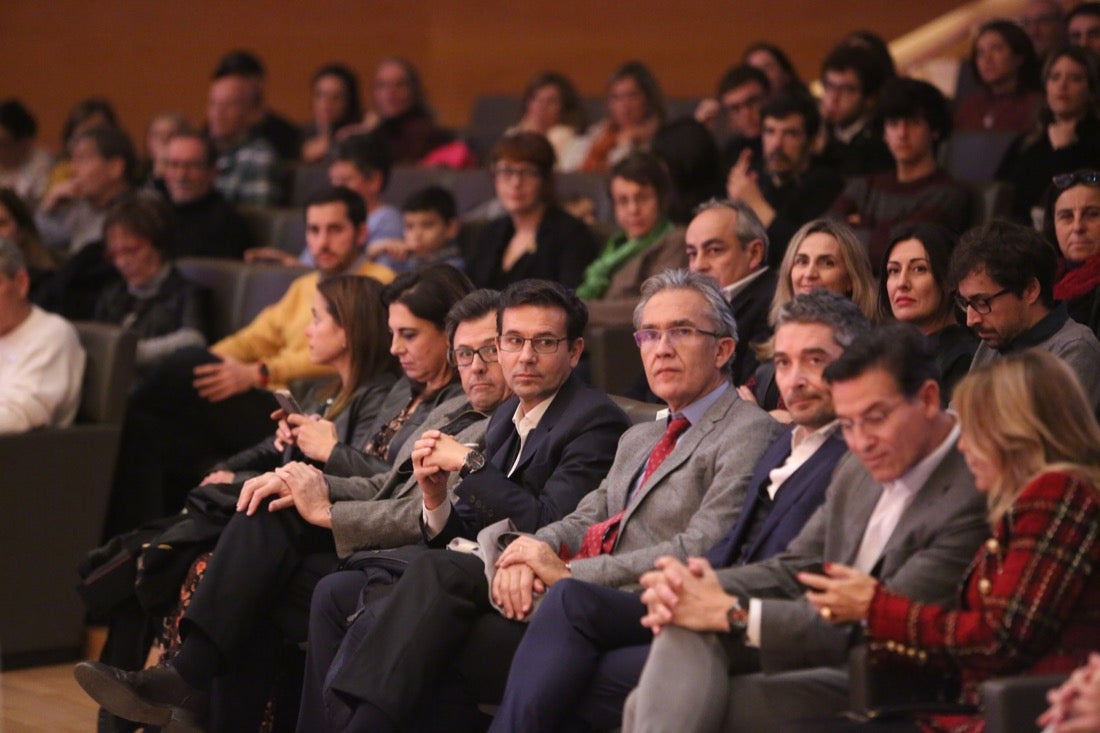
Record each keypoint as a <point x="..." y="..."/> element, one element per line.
<point x="541" y="344"/>
<point x="523" y="173"/>
<point x="1063" y="181"/>
<point x="465" y="357"/>
<point x="649" y="337"/>
<point x="981" y="304"/>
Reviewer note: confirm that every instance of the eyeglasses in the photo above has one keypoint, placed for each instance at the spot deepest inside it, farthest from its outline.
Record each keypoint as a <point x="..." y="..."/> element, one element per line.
<point x="871" y="421"/>
<point x="465" y="357"/>
<point x="1063" y="181"/>
<point x="981" y="304"/>
<point x="541" y="344"/>
<point x="650" y="337"/>
<point x="507" y="172"/>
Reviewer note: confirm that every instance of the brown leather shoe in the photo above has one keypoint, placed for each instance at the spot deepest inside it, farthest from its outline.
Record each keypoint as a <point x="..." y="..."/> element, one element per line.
<point x="156" y="696"/>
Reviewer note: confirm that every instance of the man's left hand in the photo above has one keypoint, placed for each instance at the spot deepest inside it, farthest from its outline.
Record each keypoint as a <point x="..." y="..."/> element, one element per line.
<point x="308" y="493"/>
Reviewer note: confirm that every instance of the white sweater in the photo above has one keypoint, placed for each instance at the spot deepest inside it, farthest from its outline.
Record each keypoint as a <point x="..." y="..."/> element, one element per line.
<point x="41" y="372"/>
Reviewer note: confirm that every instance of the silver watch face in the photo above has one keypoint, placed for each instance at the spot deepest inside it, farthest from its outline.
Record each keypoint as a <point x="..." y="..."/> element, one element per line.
<point x="475" y="461"/>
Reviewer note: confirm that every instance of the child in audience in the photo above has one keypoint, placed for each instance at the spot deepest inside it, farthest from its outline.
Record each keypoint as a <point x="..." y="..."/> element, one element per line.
<point x="431" y="225"/>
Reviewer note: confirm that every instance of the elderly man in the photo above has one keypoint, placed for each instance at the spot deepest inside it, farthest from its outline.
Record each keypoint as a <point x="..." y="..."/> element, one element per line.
<point x="313" y="518"/>
<point x="791" y="189"/>
<point x="208" y="225"/>
<point x="1004" y="276"/>
<point x="41" y="360"/>
<point x="247" y="163"/>
<point x="742" y="649"/>
<point x="728" y="243"/>
<point x="586" y="646"/>
<point x="674" y="487"/>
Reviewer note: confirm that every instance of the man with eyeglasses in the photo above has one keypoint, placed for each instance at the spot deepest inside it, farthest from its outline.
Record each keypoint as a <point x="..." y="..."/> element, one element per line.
<point x="740" y="648"/>
<point x="742" y="92"/>
<point x="851" y="79"/>
<point x="208" y="225"/>
<point x="438" y="647"/>
<point x="1004" y="275"/>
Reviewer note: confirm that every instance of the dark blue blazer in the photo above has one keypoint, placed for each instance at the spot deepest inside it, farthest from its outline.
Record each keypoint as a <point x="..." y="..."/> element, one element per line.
<point x="798" y="498"/>
<point x="566" y="456"/>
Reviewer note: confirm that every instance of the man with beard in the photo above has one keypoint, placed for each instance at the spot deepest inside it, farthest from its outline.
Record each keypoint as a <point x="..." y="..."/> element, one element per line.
<point x="791" y="190"/>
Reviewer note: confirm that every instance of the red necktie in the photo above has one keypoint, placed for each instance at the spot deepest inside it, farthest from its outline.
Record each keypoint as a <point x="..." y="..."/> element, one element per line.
<point x="600" y="537"/>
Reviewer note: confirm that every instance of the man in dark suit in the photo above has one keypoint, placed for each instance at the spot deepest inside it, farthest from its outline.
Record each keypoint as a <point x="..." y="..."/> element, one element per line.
<point x="673" y="488"/>
<point x="586" y="647"/>
<point x="727" y="242"/>
<point x="742" y="649"/>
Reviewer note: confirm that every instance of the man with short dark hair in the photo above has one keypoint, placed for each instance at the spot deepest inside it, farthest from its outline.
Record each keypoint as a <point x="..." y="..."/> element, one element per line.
<point x="71" y="213"/>
<point x="791" y="189"/>
<point x="916" y="121"/>
<point x="207" y="224"/>
<point x="586" y="646"/>
<point x="284" y="136"/>
<point x="1083" y="27"/>
<point x="741" y="649"/>
<point x="247" y="164"/>
<point x="851" y="79"/>
<point x="742" y="92"/>
<point x="1004" y="276"/>
<point x="673" y="487"/>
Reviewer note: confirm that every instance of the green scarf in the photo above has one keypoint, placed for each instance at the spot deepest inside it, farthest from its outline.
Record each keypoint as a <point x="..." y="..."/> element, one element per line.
<point x="618" y="251"/>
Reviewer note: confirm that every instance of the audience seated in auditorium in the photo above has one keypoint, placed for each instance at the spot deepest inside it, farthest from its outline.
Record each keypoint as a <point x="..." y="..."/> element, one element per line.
<point x="647" y="244"/>
<point x="774" y="62"/>
<point x="552" y="107"/>
<point x="586" y="646"/>
<point x="152" y="300"/>
<point x="790" y="189"/>
<point x="85" y="114"/>
<point x="823" y="254"/>
<point x="41" y="360"/>
<point x="206" y="224"/>
<point x="248" y="164"/>
<point x="400" y="117"/>
<point x="153" y="160"/>
<point x="1004" y="276"/>
<point x="1045" y="24"/>
<point x="699" y="466"/>
<point x="913" y="289"/>
<point x="71" y="214"/>
<point x="1028" y="604"/>
<point x="201" y="405"/>
<point x="334" y="104"/>
<point x="851" y="80"/>
<point x="728" y="243"/>
<point x="742" y="649"/>
<point x="1073" y="223"/>
<point x="1066" y="136"/>
<point x="17" y="224"/>
<point x="431" y="223"/>
<point x="24" y="165"/>
<point x="1083" y="27"/>
<point x="635" y="109"/>
<point x="742" y="92"/>
<point x="282" y="134"/>
<point x="1007" y="70"/>
<point x="916" y="121"/>
<point x="535" y="238"/>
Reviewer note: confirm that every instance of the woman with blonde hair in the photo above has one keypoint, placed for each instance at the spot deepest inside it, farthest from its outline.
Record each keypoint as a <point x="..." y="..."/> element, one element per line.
<point x="1030" y="603"/>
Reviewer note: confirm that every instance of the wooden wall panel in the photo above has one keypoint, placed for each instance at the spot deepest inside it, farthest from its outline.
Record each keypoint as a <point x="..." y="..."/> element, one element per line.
<point x="148" y="56"/>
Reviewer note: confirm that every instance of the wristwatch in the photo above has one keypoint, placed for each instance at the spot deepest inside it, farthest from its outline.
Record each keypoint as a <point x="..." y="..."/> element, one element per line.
<point x="475" y="461"/>
<point x="738" y="618"/>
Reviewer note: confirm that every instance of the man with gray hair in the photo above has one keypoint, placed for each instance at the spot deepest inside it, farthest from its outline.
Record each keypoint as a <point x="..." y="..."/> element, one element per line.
<point x="727" y="242"/>
<point x="41" y="360"/>
<point x="674" y="487"/>
<point x="585" y="649"/>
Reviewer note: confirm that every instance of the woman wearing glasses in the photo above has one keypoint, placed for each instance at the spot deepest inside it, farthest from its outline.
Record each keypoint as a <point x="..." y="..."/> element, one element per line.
<point x="913" y="289"/>
<point x="535" y="238"/>
<point x="1072" y="221"/>
<point x="1030" y="603"/>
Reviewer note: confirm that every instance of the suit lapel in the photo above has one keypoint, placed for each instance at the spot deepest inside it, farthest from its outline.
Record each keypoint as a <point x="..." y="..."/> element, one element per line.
<point x="865" y="496"/>
<point x="537" y="437"/>
<point x="925" y="500"/>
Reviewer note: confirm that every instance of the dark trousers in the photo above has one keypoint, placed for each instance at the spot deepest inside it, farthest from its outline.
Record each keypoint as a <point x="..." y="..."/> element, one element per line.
<point x="580" y="658"/>
<point x="172" y="436"/>
<point x="435" y="638"/>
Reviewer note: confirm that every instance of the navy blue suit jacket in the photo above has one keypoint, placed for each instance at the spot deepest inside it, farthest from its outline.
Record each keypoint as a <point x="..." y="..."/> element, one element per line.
<point x="798" y="498"/>
<point x="566" y="456"/>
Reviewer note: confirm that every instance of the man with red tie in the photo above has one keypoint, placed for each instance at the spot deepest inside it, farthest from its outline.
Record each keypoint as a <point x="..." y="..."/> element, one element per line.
<point x="437" y="646"/>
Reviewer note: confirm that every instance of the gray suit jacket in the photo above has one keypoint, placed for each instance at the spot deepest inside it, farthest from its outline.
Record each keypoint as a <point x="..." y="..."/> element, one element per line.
<point x="688" y="503"/>
<point x="924" y="558"/>
<point x="383" y="510"/>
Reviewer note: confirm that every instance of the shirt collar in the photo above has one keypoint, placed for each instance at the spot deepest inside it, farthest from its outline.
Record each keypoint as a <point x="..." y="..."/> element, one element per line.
<point x="526" y="422"/>
<point x="730" y="291"/>
<point x="801" y="434"/>
<point x="695" y="411"/>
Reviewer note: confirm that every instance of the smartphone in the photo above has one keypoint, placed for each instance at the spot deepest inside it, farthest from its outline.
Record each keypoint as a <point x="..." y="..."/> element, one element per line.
<point x="287" y="402"/>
